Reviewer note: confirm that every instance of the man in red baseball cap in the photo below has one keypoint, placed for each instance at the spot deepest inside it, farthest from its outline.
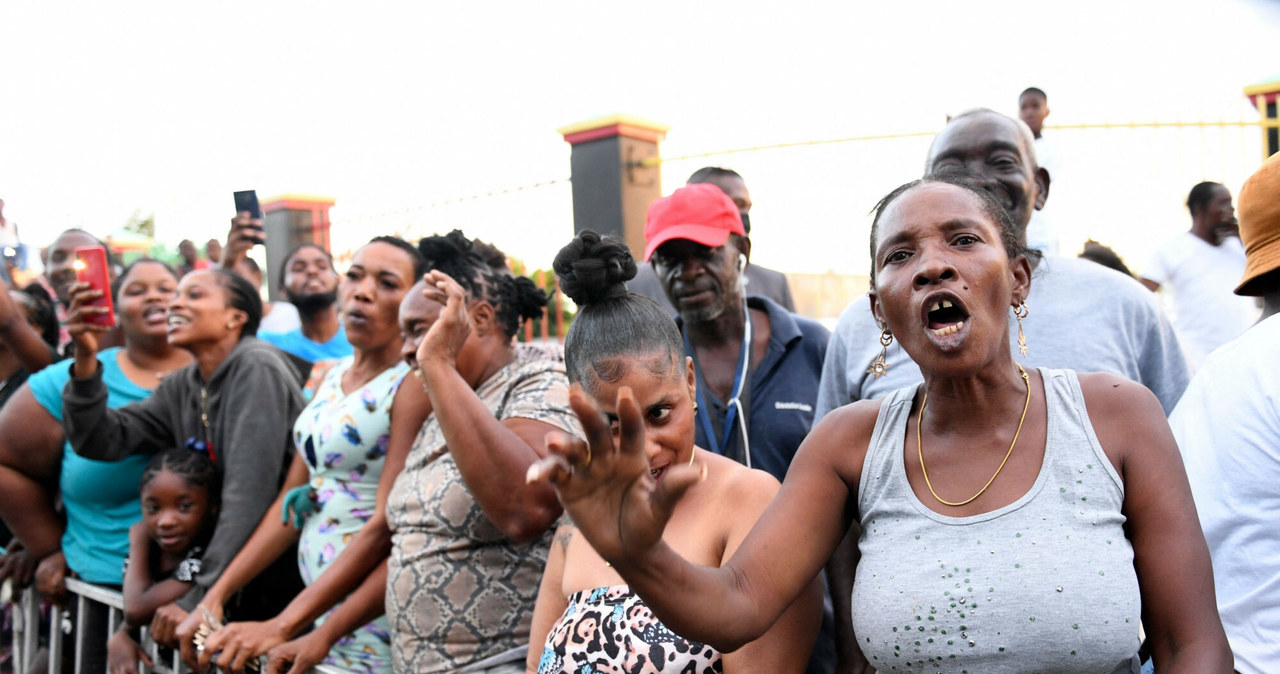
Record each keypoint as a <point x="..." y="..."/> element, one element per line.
<point x="757" y="364"/>
<point x="755" y="402"/>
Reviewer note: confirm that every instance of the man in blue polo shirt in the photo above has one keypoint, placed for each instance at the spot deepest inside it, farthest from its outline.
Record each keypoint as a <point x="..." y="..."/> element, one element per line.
<point x="757" y="364"/>
<point x="311" y="285"/>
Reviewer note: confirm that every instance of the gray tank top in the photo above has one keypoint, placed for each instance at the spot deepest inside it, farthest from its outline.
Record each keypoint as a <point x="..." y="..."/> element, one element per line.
<point x="1045" y="584"/>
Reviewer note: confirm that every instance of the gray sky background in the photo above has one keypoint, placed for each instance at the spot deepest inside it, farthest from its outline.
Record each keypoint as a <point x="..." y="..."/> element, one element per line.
<point x="112" y="108"/>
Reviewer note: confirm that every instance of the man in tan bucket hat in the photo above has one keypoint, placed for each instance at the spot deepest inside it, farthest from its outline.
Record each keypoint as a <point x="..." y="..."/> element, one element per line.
<point x="1228" y="428"/>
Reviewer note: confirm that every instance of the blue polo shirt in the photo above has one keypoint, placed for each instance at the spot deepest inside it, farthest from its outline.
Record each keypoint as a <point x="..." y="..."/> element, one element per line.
<point x="781" y="398"/>
<point x="296" y="343"/>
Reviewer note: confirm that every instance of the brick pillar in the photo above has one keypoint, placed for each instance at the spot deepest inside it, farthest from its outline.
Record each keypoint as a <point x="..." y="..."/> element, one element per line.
<point x="290" y="220"/>
<point x="611" y="189"/>
<point x="1263" y="96"/>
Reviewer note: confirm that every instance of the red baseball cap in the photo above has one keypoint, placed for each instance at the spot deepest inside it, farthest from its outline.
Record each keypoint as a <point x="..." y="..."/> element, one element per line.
<point x="700" y="213"/>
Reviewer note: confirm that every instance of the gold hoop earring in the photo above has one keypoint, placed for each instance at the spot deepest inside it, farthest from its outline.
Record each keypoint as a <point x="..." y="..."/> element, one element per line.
<point x="878" y="367"/>
<point x="1020" y="312"/>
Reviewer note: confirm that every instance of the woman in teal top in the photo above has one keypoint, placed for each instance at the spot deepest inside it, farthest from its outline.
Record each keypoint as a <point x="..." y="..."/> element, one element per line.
<point x="101" y="498"/>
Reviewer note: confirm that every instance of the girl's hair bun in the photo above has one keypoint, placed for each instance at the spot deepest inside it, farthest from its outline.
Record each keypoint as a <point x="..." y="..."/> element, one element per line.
<point x="593" y="269"/>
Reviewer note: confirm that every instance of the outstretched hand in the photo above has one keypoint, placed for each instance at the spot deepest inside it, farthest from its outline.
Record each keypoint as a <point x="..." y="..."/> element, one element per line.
<point x="605" y="482"/>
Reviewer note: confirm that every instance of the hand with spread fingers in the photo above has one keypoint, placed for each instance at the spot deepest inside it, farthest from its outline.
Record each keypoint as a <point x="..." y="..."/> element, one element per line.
<point x="605" y="483"/>
<point x="444" y="341"/>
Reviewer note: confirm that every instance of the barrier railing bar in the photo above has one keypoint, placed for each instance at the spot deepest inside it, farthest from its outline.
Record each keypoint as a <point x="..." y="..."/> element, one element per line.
<point x="55" y="639"/>
<point x="97" y="593"/>
<point x="26" y="630"/>
<point x="82" y="620"/>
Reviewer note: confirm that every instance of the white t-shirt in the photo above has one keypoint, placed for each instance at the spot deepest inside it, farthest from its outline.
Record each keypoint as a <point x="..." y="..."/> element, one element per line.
<point x="1202" y="277"/>
<point x="282" y="318"/>
<point x="1042" y="231"/>
<point x="1228" y="428"/>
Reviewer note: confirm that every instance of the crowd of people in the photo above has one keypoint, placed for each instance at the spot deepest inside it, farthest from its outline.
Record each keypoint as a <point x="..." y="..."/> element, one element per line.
<point x="374" y="475"/>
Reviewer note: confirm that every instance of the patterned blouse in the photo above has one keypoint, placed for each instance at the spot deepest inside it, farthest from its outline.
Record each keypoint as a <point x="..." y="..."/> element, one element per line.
<point x="458" y="591"/>
<point x="609" y="629"/>
<point x="343" y="437"/>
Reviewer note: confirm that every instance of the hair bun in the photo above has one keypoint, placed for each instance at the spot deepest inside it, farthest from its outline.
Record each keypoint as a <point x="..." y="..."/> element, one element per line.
<point x="449" y="253"/>
<point x="594" y="269"/>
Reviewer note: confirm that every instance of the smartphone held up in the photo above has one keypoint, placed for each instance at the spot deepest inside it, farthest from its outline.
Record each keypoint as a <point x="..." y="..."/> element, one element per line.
<point x="247" y="202"/>
<point x="91" y="267"/>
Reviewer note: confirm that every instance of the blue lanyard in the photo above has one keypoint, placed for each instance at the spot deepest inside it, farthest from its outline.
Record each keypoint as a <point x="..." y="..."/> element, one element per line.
<point x="718" y="445"/>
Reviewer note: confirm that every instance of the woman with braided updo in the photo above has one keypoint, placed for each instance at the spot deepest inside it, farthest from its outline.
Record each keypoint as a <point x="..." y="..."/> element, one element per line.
<point x="469" y="537"/>
<point x="587" y="619"/>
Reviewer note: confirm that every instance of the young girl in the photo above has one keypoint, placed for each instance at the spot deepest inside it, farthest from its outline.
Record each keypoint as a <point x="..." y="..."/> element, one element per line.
<point x="180" y="490"/>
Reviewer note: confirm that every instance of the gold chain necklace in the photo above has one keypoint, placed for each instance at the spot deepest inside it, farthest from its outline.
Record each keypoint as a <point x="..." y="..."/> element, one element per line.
<point x="920" y="450"/>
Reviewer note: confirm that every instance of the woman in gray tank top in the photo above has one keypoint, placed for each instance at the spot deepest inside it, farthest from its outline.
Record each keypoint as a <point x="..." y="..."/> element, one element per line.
<point x="1010" y="520"/>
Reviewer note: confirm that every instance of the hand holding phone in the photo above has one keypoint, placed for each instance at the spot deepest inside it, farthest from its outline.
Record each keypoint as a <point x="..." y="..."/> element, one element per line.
<point x="246" y="229"/>
<point x="91" y="267"/>
<point x="247" y="202"/>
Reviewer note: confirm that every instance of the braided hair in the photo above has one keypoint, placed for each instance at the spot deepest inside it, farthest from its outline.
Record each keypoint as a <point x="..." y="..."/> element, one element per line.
<point x="612" y="323"/>
<point x="194" y="467"/>
<point x="514" y="298"/>
<point x="40" y="309"/>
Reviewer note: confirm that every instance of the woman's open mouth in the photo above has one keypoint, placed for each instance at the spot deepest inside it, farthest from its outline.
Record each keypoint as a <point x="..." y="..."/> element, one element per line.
<point x="945" y="317"/>
<point x="657" y="473"/>
<point x="155" y="315"/>
<point x="946" y="320"/>
<point x="175" y="321"/>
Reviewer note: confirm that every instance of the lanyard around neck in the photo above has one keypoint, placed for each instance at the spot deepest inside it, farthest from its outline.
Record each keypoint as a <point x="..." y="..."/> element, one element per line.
<point x="718" y="445"/>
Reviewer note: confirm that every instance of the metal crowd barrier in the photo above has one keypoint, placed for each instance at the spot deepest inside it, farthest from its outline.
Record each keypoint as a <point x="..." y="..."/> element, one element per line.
<point x="26" y="631"/>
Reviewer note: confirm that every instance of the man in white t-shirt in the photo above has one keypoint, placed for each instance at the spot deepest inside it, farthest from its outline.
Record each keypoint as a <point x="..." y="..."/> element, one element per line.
<point x="1228" y="428"/>
<point x="1033" y="108"/>
<point x="1200" y="268"/>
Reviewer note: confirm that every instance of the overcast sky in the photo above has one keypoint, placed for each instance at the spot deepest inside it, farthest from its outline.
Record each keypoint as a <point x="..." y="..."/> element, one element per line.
<point x="108" y="109"/>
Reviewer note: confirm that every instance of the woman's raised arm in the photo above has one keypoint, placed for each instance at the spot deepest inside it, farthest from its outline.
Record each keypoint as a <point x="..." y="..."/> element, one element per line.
<point x="607" y="489"/>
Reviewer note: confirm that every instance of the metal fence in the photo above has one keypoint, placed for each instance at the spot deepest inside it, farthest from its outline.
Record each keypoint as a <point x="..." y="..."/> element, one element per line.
<point x="63" y="632"/>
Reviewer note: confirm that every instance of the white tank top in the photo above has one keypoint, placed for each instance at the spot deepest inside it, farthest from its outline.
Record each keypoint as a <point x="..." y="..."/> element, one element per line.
<point x="1044" y="584"/>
